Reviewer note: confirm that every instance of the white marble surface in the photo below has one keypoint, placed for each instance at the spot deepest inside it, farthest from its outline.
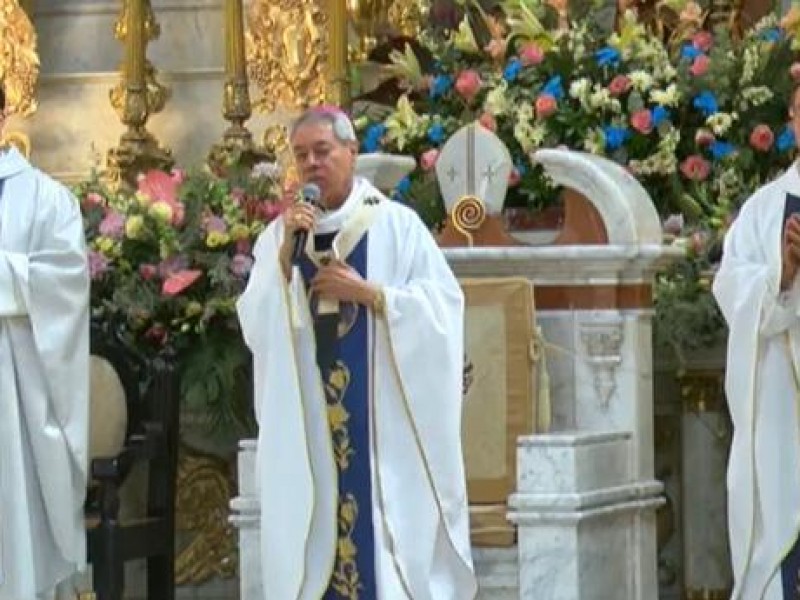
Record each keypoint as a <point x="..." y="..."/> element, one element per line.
<point x="624" y="205"/>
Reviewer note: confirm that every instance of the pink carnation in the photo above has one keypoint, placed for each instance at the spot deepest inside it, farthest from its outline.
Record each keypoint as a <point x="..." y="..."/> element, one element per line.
<point x="700" y="65"/>
<point x="704" y="137"/>
<point x="531" y="54"/>
<point x="642" y="121"/>
<point x="696" y="168"/>
<point x="488" y="121"/>
<point x="545" y="106"/>
<point x="619" y="85"/>
<point x="98" y="264"/>
<point x="468" y="84"/>
<point x="112" y="225"/>
<point x="147" y="271"/>
<point x="703" y="40"/>
<point x="428" y="159"/>
<point x="762" y="138"/>
<point x="93" y="199"/>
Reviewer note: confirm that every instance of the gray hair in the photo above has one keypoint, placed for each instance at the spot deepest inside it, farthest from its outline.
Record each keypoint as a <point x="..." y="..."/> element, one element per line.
<point x="341" y="124"/>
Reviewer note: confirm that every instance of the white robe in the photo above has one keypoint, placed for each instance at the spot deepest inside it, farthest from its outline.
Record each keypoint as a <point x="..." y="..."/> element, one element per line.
<point x="762" y="391"/>
<point x="420" y="512"/>
<point x="44" y="399"/>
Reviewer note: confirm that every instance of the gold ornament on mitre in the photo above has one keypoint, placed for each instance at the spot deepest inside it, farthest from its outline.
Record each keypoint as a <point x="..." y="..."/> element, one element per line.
<point x="19" y="63"/>
<point x="473" y="170"/>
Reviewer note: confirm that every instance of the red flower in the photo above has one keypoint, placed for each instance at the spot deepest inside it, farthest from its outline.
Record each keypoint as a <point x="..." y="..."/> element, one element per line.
<point x="696" y="168"/>
<point x="619" y="85"/>
<point x="703" y="40"/>
<point x="468" y="84"/>
<point x="179" y="281"/>
<point x="762" y="138"/>
<point x="545" y="106"/>
<point x="642" y="121"/>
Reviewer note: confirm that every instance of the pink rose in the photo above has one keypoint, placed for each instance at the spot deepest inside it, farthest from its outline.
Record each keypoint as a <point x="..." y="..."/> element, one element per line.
<point x="147" y="272"/>
<point x="93" y="199"/>
<point x="531" y="54"/>
<point x="112" y="225"/>
<point x="703" y="40"/>
<point x="700" y="65"/>
<point x="704" y="137"/>
<point x="619" y="85"/>
<point x="428" y="159"/>
<point x="177" y="282"/>
<point x="488" y="121"/>
<point x="468" y="84"/>
<point x="98" y="264"/>
<point x="696" y="168"/>
<point x="642" y="121"/>
<point x="794" y="71"/>
<point x="241" y="265"/>
<point x="545" y="106"/>
<point x="514" y="177"/>
<point x="762" y="138"/>
<point x="178" y="175"/>
<point x="243" y="247"/>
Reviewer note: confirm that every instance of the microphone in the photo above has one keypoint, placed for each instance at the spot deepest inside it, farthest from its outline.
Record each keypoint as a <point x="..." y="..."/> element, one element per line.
<point x="310" y="194"/>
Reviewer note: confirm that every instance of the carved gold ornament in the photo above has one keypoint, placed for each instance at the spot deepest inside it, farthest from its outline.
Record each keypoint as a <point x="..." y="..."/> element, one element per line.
<point x="286" y="45"/>
<point x="19" y="63"/>
<point x="468" y="214"/>
<point x="203" y="492"/>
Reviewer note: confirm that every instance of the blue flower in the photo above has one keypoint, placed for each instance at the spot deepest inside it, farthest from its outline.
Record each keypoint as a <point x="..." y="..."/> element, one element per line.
<point x="773" y="34"/>
<point x="372" y="138"/>
<point x="403" y="186"/>
<point x="436" y="133"/>
<point x="441" y="85"/>
<point x="785" y="140"/>
<point x="554" y="88"/>
<point x="615" y="136"/>
<point x="512" y="69"/>
<point x="659" y="115"/>
<point x="521" y="168"/>
<point x="689" y="52"/>
<point x="706" y="102"/>
<point x="607" y="56"/>
<point x="720" y="150"/>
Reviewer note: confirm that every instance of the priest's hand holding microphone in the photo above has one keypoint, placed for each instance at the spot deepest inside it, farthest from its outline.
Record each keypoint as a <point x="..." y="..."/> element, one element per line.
<point x="336" y="280"/>
<point x="790" y="251"/>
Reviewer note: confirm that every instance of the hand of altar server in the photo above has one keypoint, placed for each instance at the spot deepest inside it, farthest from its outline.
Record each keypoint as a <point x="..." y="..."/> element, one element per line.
<point x="790" y="251"/>
<point x="340" y="281"/>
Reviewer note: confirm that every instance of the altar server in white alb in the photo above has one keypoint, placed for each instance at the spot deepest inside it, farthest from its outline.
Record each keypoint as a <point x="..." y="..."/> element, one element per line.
<point x="44" y="358"/>
<point x="758" y="290"/>
<point x="358" y="350"/>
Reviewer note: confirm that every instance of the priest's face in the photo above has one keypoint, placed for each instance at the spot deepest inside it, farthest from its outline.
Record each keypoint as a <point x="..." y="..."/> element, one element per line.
<point x="325" y="160"/>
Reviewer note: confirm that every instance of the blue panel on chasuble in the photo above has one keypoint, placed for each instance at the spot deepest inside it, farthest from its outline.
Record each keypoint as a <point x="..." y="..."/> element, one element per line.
<point x="343" y="358"/>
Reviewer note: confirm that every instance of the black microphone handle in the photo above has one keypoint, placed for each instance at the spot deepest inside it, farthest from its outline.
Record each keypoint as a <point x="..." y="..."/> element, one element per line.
<point x="300" y="237"/>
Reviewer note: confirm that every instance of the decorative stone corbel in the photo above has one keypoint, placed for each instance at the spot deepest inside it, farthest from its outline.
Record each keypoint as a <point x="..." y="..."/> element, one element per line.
<point x="602" y="339"/>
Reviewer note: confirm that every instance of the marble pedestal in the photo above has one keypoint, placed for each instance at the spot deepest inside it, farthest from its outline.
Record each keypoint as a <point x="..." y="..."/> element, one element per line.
<point x="583" y="520"/>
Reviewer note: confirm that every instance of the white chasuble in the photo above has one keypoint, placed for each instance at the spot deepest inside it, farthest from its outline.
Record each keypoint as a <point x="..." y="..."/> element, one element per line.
<point x="44" y="373"/>
<point x="419" y="511"/>
<point x="762" y="391"/>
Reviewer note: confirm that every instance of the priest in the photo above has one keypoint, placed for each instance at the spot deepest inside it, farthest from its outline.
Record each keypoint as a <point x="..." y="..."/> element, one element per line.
<point x="44" y="398"/>
<point x="758" y="289"/>
<point x="357" y="336"/>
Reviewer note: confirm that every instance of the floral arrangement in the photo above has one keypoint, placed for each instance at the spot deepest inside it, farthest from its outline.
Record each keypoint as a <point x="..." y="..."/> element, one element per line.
<point x="699" y="117"/>
<point x="168" y="261"/>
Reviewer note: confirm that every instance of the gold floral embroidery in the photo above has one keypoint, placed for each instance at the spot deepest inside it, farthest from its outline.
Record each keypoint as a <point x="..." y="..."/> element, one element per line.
<point x="338" y="417"/>
<point x="345" y="579"/>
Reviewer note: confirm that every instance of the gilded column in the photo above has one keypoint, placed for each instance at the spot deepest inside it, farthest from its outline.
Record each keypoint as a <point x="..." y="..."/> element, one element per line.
<point x="137" y="96"/>
<point x="338" y="89"/>
<point x="237" y="144"/>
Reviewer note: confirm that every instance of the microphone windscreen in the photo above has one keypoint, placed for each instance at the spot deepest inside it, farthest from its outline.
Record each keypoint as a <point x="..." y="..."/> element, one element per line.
<point x="311" y="193"/>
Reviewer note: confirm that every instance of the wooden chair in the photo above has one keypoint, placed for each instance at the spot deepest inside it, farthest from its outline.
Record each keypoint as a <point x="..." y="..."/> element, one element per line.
<point x="151" y="400"/>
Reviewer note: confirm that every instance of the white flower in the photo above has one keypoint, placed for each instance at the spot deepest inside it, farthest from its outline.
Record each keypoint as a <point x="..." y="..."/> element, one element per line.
<point x="595" y="142"/>
<point x="579" y="89"/>
<point x="496" y="101"/>
<point x="267" y="170"/>
<point x="721" y="122"/>
<point x="756" y="96"/>
<point x="641" y="80"/>
<point x="668" y="97"/>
